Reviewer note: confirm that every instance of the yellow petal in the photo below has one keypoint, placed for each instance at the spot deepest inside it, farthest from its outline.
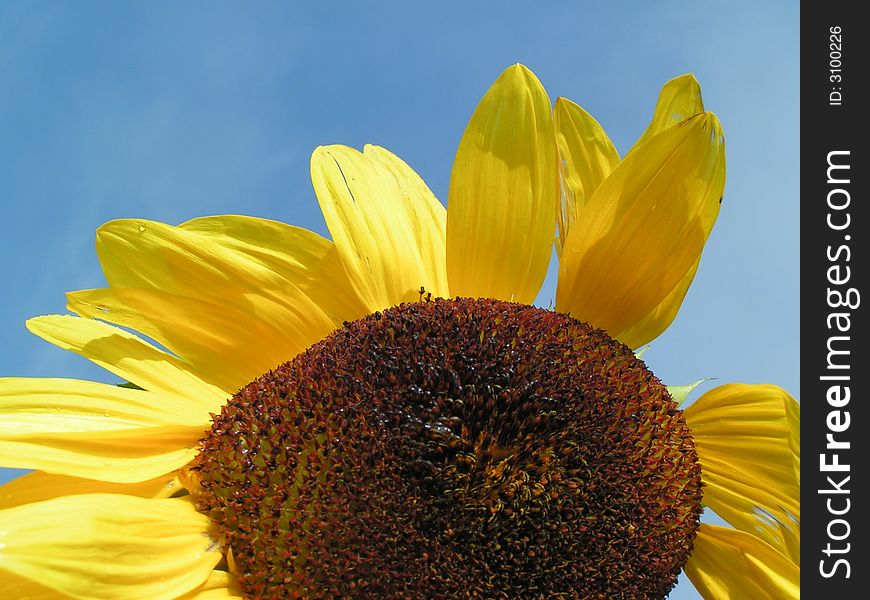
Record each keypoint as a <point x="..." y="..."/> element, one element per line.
<point x="219" y="584"/>
<point x="748" y="442"/>
<point x="190" y="264"/>
<point x="37" y="486"/>
<point x="644" y="228"/>
<point x="130" y="358"/>
<point x="660" y="318"/>
<point x="69" y="404"/>
<point x="308" y="260"/>
<point x="587" y="157"/>
<point x="223" y="345"/>
<point x="109" y="546"/>
<point x="504" y="190"/>
<point x="95" y="431"/>
<point x="728" y="564"/>
<point x="426" y="215"/>
<point x="21" y="588"/>
<point x="386" y="224"/>
<point x="679" y="99"/>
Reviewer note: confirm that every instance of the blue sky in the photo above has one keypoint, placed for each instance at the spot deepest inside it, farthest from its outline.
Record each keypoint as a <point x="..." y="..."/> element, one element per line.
<point x="168" y="111"/>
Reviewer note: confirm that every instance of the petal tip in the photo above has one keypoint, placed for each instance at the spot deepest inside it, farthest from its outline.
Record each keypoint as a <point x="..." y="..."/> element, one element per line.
<point x="519" y="74"/>
<point x="40" y="322"/>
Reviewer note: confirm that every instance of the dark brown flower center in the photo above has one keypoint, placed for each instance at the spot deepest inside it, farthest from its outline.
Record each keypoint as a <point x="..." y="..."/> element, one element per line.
<point x="455" y="449"/>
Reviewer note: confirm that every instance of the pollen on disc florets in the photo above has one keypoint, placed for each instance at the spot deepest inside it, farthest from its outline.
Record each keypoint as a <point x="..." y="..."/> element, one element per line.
<point x="455" y="449"/>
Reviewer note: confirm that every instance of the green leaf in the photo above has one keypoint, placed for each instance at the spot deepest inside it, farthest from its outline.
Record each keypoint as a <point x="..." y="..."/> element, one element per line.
<point x="130" y="386"/>
<point x="641" y="351"/>
<point x="680" y="392"/>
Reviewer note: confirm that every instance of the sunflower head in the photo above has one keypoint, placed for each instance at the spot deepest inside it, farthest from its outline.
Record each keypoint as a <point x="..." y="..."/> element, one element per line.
<point x="451" y="445"/>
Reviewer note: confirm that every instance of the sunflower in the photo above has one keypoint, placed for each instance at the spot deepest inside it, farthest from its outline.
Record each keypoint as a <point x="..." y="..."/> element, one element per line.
<point x="385" y="414"/>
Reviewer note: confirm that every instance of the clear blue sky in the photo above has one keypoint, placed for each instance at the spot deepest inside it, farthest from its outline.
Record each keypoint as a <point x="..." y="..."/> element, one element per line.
<point x="169" y="111"/>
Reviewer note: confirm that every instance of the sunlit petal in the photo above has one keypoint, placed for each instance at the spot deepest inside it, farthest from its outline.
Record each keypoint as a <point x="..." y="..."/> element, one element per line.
<point x="748" y="441"/>
<point x="728" y="564"/>
<point x="109" y="546"/>
<point x="644" y="229"/>
<point x="504" y="190"/>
